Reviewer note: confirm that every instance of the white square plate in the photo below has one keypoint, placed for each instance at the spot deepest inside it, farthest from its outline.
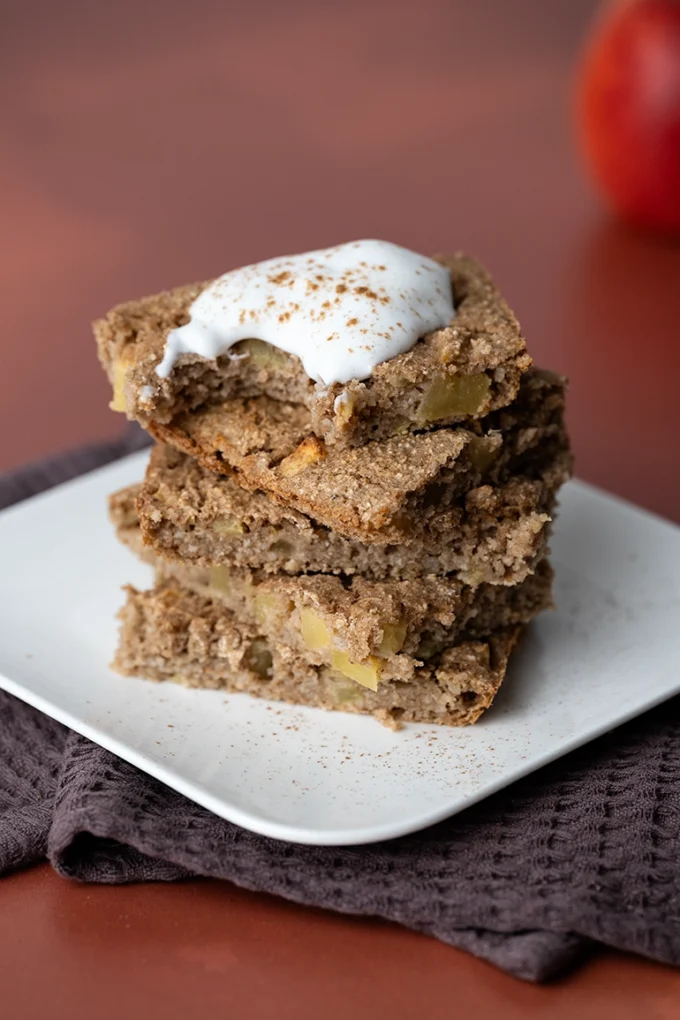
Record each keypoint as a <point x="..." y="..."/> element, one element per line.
<point x="610" y="651"/>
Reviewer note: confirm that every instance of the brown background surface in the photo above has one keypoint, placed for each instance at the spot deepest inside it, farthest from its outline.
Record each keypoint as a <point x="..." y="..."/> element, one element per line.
<point x="145" y="144"/>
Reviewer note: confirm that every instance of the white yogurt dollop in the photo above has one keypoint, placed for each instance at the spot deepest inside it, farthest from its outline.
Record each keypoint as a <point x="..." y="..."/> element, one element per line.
<point x="341" y="310"/>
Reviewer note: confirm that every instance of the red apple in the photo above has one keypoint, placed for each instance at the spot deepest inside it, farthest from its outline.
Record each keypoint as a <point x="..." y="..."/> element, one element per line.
<point x="629" y="110"/>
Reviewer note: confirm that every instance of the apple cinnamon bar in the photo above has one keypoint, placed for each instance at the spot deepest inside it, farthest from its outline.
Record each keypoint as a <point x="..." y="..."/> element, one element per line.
<point x="469" y="365"/>
<point x="382" y="492"/>
<point x="494" y="534"/>
<point x="368" y="630"/>
<point x="172" y="634"/>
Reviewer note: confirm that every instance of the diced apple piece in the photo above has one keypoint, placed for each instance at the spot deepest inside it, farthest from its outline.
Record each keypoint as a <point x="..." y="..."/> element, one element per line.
<point x="343" y="407"/>
<point x="471" y="577"/>
<point x="259" y="658"/>
<point x="263" y="353"/>
<point x="393" y="638"/>
<point x="268" y="606"/>
<point x="219" y="579"/>
<point x="118" y="401"/>
<point x="346" y="694"/>
<point x="228" y="526"/>
<point x="365" y="673"/>
<point x="454" y="396"/>
<point x="310" y="451"/>
<point x="315" y="632"/>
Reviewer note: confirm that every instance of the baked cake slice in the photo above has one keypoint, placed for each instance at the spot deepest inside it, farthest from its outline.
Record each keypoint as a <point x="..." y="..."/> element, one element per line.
<point x="172" y="634"/>
<point x="468" y="366"/>
<point x="496" y="534"/>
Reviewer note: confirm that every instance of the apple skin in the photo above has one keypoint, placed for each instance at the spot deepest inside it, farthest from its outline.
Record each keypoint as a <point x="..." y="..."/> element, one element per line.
<point x="628" y="110"/>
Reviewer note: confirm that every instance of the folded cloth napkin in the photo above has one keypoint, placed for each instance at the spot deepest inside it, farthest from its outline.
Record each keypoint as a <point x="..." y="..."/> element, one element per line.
<point x="586" y="850"/>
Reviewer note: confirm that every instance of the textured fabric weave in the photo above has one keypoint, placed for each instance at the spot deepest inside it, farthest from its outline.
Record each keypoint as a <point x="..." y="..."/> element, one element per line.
<point x="583" y="851"/>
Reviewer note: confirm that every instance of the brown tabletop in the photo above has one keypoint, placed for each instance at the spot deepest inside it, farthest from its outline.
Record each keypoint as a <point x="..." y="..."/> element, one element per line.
<point x="145" y="144"/>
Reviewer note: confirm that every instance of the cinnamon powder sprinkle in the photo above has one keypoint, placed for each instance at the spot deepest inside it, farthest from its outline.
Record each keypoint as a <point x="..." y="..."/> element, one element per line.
<point x="280" y="277"/>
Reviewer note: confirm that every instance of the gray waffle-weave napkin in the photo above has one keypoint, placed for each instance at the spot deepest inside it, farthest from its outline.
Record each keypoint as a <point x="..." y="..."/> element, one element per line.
<point x="586" y="850"/>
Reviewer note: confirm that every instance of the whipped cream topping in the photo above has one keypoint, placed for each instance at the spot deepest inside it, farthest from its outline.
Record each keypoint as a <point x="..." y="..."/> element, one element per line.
<point x="341" y="310"/>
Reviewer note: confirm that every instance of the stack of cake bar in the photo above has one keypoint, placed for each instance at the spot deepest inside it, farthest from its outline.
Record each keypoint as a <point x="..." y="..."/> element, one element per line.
<point x="377" y="545"/>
